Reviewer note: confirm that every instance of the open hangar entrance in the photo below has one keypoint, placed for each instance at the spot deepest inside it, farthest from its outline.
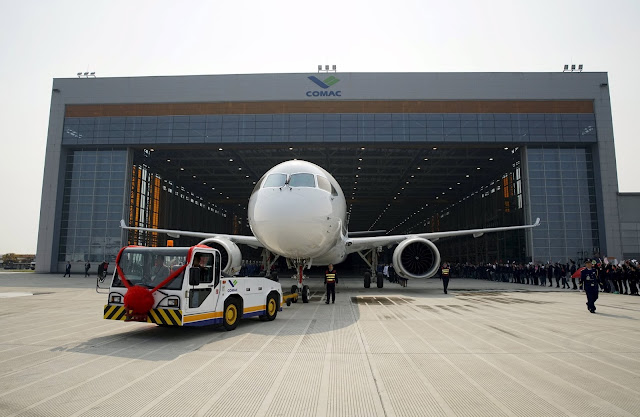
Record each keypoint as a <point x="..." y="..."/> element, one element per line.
<point x="398" y="188"/>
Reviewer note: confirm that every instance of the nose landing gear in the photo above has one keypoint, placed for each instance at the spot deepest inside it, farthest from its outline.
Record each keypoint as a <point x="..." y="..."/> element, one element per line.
<point x="304" y="290"/>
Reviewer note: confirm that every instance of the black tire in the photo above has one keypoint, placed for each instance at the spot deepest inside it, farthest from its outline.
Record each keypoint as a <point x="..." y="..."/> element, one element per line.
<point x="294" y="289"/>
<point x="273" y="305"/>
<point x="380" y="280"/>
<point x="367" y="279"/>
<point x="288" y="302"/>
<point x="306" y="294"/>
<point x="231" y="314"/>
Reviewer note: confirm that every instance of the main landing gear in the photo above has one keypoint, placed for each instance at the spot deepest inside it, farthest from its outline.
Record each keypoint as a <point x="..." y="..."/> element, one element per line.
<point x="267" y="263"/>
<point x="371" y="258"/>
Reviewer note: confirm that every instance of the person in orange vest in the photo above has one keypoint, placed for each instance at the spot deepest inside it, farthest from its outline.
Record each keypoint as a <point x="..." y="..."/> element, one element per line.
<point x="330" y="280"/>
<point x="445" y="272"/>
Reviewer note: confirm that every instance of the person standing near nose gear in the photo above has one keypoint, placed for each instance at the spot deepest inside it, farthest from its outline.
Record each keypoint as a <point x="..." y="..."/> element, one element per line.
<point x="330" y="280"/>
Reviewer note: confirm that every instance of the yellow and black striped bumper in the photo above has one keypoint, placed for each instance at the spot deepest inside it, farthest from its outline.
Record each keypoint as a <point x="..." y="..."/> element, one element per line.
<point x="157" y="315"/>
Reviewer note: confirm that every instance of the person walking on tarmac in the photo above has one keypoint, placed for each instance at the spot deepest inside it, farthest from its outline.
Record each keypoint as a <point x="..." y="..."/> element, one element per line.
<point x="589" y="280"/>
<point x="330" y="280"/>
<point x="445" y="272"/>
<point x="67" y="270"/>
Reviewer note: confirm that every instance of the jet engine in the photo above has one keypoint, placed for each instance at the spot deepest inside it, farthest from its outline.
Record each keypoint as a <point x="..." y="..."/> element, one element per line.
<point x="416" y="258"/>
<point x="231" y="258"/>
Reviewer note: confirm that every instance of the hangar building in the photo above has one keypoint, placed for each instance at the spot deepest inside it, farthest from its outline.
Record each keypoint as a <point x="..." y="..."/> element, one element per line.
<point x="413" y="152"/>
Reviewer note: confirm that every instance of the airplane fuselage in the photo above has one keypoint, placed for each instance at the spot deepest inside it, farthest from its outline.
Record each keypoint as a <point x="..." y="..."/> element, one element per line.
<point x="298" y="210"/>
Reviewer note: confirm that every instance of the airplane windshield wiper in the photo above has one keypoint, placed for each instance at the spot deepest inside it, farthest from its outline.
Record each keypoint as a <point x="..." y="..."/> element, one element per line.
<point x="286" y="183"/>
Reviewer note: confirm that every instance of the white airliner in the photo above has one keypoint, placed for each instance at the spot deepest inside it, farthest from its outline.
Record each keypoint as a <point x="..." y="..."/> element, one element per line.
<point x="297" y="210"/>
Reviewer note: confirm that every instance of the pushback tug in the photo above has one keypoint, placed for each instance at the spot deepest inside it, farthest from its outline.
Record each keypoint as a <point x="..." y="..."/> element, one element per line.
<point x="185" y="287"/>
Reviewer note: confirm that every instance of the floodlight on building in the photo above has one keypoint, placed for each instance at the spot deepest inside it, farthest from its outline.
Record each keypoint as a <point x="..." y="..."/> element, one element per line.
<point x="566" y="68"/>
<point x="92" y="74"/>
<point x="86" y="74"/>
<point x="79" y="74"/>
<point x="573" y="67"/>
<point x="333" y="67"/>
<point x="326" y="67"/>
<point x="580" y="68"/>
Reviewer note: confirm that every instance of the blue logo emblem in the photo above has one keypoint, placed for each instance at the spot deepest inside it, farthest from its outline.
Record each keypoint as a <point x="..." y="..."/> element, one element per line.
<point x="324" y="84"/>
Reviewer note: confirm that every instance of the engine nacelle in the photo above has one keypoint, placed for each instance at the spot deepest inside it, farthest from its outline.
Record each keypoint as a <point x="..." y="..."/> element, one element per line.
<point x="231" y="258"/>
<point x="416" y="258"/>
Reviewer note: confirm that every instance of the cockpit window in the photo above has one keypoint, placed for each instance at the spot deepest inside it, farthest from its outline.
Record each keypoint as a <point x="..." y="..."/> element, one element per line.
<point x="258" y="185"/>
<point x="334" y="192"/>
<point x="302" y="180"/>
<point x="275" y="180"/>
<point x="324" y="184"/>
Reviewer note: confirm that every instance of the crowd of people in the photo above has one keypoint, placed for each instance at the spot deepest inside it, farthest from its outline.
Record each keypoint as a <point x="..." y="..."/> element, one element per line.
<point x="251" y="268"/>
<point x="613" y="277"/>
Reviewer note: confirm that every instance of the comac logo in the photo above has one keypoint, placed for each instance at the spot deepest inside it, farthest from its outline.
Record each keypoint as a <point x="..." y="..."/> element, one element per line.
<point x="325" y="84"/>
<point x="233" y="283"/>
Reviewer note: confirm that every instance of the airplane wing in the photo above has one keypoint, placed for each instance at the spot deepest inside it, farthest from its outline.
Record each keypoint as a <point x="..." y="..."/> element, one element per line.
<point x="357" y="244"/>
<point x="243" y="240"/>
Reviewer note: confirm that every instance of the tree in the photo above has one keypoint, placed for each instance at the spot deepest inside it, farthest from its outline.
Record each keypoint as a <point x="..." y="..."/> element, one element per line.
<point x="9" y="258"/>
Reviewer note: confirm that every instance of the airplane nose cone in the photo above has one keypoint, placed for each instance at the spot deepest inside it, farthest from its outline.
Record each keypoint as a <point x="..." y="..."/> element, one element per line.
<point x="294" y="223"/>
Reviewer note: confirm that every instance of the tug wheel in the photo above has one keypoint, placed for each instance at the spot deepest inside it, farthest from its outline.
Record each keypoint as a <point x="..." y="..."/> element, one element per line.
<point x="272" y="307"/>
<point x="230" y="315"/>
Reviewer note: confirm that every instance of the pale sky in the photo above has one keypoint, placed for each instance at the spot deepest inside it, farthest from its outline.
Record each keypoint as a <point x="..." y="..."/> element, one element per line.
<point x="42" y="40"/>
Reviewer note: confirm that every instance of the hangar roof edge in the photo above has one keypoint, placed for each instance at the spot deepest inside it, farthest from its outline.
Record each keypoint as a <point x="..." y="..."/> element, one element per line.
<point x="405" y="73"/>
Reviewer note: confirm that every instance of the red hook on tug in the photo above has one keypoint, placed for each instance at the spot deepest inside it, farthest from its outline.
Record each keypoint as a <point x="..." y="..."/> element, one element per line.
<point x="138" y="300"/>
